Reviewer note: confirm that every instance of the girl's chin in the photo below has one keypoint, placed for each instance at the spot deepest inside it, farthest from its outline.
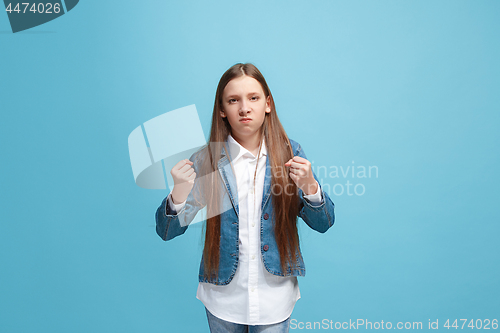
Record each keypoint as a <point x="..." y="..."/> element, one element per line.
<point x="245" y="132"/>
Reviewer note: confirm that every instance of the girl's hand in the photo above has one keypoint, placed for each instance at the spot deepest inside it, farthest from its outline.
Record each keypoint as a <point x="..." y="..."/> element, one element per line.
<point x="301" y="174"/>
<point x="184" y="176"/>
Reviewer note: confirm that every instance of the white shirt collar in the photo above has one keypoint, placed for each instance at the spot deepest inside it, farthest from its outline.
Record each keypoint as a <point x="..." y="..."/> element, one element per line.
<point x="236" y="150"/>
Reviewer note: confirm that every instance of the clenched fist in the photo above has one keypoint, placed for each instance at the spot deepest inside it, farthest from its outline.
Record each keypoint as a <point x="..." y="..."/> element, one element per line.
<point x="302" y="175"/>
<point x="184" y="176"/>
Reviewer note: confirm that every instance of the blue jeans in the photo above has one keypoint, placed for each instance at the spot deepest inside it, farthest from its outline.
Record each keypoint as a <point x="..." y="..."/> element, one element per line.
<point x="218" y="325"/>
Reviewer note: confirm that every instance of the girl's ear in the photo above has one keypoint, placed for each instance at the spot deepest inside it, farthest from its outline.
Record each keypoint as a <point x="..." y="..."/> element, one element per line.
<point x="268" y="104"/>
<point x="222" y="114"/>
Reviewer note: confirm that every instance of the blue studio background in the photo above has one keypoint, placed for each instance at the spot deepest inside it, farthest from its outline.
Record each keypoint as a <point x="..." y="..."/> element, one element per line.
<point x="410" y="87"/>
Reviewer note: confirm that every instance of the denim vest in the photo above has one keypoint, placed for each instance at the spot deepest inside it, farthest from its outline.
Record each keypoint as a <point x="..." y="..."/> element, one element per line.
<point x="170" y="225"/>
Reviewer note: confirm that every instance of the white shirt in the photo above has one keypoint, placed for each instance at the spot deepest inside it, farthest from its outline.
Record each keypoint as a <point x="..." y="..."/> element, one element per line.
<point x="254" y="296"/>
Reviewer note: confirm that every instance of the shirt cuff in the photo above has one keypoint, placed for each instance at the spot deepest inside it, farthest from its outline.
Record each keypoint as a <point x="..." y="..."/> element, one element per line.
<point x="174" y="207"/>
<point x="315" y="198"/>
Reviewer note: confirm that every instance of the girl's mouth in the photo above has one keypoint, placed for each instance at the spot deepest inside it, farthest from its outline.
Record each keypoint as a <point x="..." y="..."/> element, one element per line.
<point x="245" y="120"/>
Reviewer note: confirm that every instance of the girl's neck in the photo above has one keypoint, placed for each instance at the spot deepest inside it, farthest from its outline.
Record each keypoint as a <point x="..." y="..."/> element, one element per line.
<point x="249" y="143"/>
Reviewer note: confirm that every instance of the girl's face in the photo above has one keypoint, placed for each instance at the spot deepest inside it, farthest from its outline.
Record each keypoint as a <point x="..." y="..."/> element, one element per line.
<point x="245" y="105"/>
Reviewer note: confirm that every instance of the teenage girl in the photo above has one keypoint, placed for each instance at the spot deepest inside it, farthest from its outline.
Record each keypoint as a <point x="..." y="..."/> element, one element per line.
<point x="255" y="182"/>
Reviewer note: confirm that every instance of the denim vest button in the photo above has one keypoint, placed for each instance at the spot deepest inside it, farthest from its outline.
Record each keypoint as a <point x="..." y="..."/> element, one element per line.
<point x="266" y="247"/>
<point x="266" y="216"/>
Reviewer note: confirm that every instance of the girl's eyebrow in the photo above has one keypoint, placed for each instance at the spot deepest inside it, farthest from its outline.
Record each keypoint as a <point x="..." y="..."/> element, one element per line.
<point x="252" y="93"/>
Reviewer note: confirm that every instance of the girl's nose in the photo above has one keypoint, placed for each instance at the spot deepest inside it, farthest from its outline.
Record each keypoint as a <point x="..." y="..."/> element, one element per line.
<point x="245" y="108"/>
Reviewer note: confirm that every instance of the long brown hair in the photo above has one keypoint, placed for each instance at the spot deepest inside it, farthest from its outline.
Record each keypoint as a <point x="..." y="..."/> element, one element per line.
<point x="285" y="203"/>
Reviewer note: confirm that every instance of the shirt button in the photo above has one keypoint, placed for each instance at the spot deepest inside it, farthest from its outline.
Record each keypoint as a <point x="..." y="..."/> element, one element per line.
<point x="252" y="290"/>
<point x="266" y="216"/>
<point x="253" y="224"/>
<point x="251" y="191"/>
<point x="266" y="247"/>
<point x="253" y="257"/>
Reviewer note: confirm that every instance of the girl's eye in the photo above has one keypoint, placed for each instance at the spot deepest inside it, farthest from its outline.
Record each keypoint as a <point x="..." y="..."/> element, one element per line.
<point x="254" y="98"/>
<point x="232" y="100"/>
